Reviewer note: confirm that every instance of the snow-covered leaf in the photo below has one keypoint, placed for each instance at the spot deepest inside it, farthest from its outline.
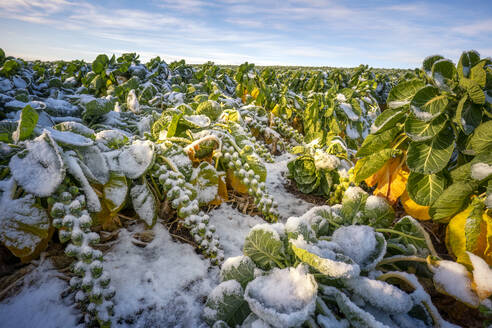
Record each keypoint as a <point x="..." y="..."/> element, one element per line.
<point x="265" y="246"/>
<point x="38" y="169"/>
<point x="240" y="268"/>
<point x="226" y="303"/>
<point x="144" y="203"/>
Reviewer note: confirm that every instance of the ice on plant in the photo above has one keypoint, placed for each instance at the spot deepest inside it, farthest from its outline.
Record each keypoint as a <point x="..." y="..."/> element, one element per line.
<point x="482" y="276"/>
<point x="357" y="242"/>
<point x="480" y="171"/>
<point x="325" y="161"/>
<point x="277" y="230"/>
<point x="284" y="297"/>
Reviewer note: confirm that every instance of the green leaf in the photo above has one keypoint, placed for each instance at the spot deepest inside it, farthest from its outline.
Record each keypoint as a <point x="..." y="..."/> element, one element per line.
<point x="481" y="140"/>
<point x="209" y="108"/>
<point x="403" y="93"/>
<point x="100" y="63"/>
<point x="367" y="166"/>
<point x="467" y="60"/>
<point x="433" y="155"/>
<point x="424" y="189"/>
<point x="115" y="192"/>
<point x="353" y="201"/>
<point x="415" y="240"/>
<point x="444" y="74"/>
<point x="9" y="68"/>
<point x="468" y="115"/>
<point x="461" y="173"/>
<point x="387" y="120"/>
<point x="377" y="212"/>
<point x="226" y="303"/>
<point x="428" y="103"/>
<point x="27" y="123"/>
<point x="475" y="92"/>
<point x="144" y="203"/>
<point x="376" y="142"/>
<point x="7" y="128"/>
<point x="478" y="74"/>
<point x="338" y="266"/>
<point x="419" y="130"/>
<point x="265" y="247"/>
<point x="429" y="62"/>
<point x="171" y="130"/>
<point x="451" y="201"/>
<point x="132" y="160"/>
<point x="240" y="268"/>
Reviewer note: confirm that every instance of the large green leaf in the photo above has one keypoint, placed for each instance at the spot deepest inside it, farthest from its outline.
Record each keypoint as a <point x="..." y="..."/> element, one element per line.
<point x="481" y="140"/>
<point x="376" y="142"/>
<point x="475" y="92"/>
<point x="428" y="103"/>
<point x="27" y="123"/>
<point x="337" y="266"/>
<point x="265" y="247"/>
<point x="419" y="130"/>
<point x="468" y="115"/>
<point x="7" y="128"/>
<point x="424" y="189"/>
<point x="467" y="60"/>
<point x="403" y="93"/>
<point x="377" y="212"/>
<point x="414" y="239"/>
<point x="226" y="303"/>
<point x="387" y="120"/>
<point x="100" y="63"/>
<point x="429" y="62"/>
<point x="433" y="155"/>
<point x="444" y="74"/>
<point x="451" y="201"/>
<point x="353" y="202"/>
<point x="367" y="166"/>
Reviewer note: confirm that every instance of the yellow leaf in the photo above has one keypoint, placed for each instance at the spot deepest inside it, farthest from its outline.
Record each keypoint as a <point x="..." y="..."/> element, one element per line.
<point x="413" y="209"/>
<point x="255" y="93"/>
<point x="235" y="182"/>
<point x="391" y="180"/>
<point x="487" y="220"/>
<point x="221" y="193"/>
<point x="455" y="236"/>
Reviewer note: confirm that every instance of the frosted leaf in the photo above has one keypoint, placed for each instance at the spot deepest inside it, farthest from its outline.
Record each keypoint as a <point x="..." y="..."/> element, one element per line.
<point x="133" y="160"/>
<point x="325" y="161"/>
<point x="132" y="102"/>
<point x="252" y="321"/>
<point x="112" y="138"/>
<point x="325" y="257"/>
<point x="67" y="138"/>
<point x="319" y="218"/>
<point x="60" y="107"/>
<point x="353" y="203"/>
<point x="23" y="224"/>
<point x="144" y="203"/>
<point x="347" y="109"/>
<point x="297" y="225"/>
<point x="206" y="182"/>
<point x="284" y="297"/>
<point x="454" y="279"/>
<point x="384" y="296"/>
<point x="357" y="242"/>
<point x="331" y="322"/>
<point x="39" y="168"/>
<point x="480" y="171"/>
<point x="75" y="127"/>
<point x="265" y="246"/>
<point x="115" y="192"/>
<point x="226" y="303"/>
<point x="95" y="161"/>
<point x="197" y="121"/>
<point x="357" y="317"/>
<point x="482" y="276"/>
<point x="240" y="268"/>
<point x="72" y="163"/>
<point x="378" y="212"/>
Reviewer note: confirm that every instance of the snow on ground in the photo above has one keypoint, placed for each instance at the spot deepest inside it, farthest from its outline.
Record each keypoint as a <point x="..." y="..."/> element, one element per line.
<point x="39" y="304"/>
<point x="164" y="284"/>
<point x="161" y="285"/>
<point x="232" y="228"/>
<point x="288" y="204"/>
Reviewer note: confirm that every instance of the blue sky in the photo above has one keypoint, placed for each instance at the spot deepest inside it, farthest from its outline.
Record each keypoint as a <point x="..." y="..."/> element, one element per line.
<point x="287" y="32"/>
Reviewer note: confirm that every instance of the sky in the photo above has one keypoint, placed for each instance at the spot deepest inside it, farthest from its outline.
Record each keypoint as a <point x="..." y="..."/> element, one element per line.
<point x="391" y="34"/>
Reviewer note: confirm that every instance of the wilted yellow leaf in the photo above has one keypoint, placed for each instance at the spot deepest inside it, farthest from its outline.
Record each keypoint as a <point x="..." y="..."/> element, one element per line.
<point x="235" y="182"/>
<point x="255" y="93"/>
<point x="221" y="193"/>
<point x="391" y="180"/>
<point x="415" y="210"/>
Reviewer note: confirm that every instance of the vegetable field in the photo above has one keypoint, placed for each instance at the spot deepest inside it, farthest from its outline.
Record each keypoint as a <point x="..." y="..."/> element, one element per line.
<point x="173" y="195"/>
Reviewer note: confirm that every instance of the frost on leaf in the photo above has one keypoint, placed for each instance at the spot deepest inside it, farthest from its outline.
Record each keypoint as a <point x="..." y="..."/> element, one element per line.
<point x="284" y="297"/>
<point x="95" y="161"/>
<point x="39" y="168"/>
<point x="325" y="257"/>
<point x="240" y="268"/>
<point x="226" y="303"/>
<point x="264" y="245"/>
<point x="206" y="182"/>
<point x="144" y="203"/>
<point x="133" y="160"/>
<point x="24" y="225"/>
